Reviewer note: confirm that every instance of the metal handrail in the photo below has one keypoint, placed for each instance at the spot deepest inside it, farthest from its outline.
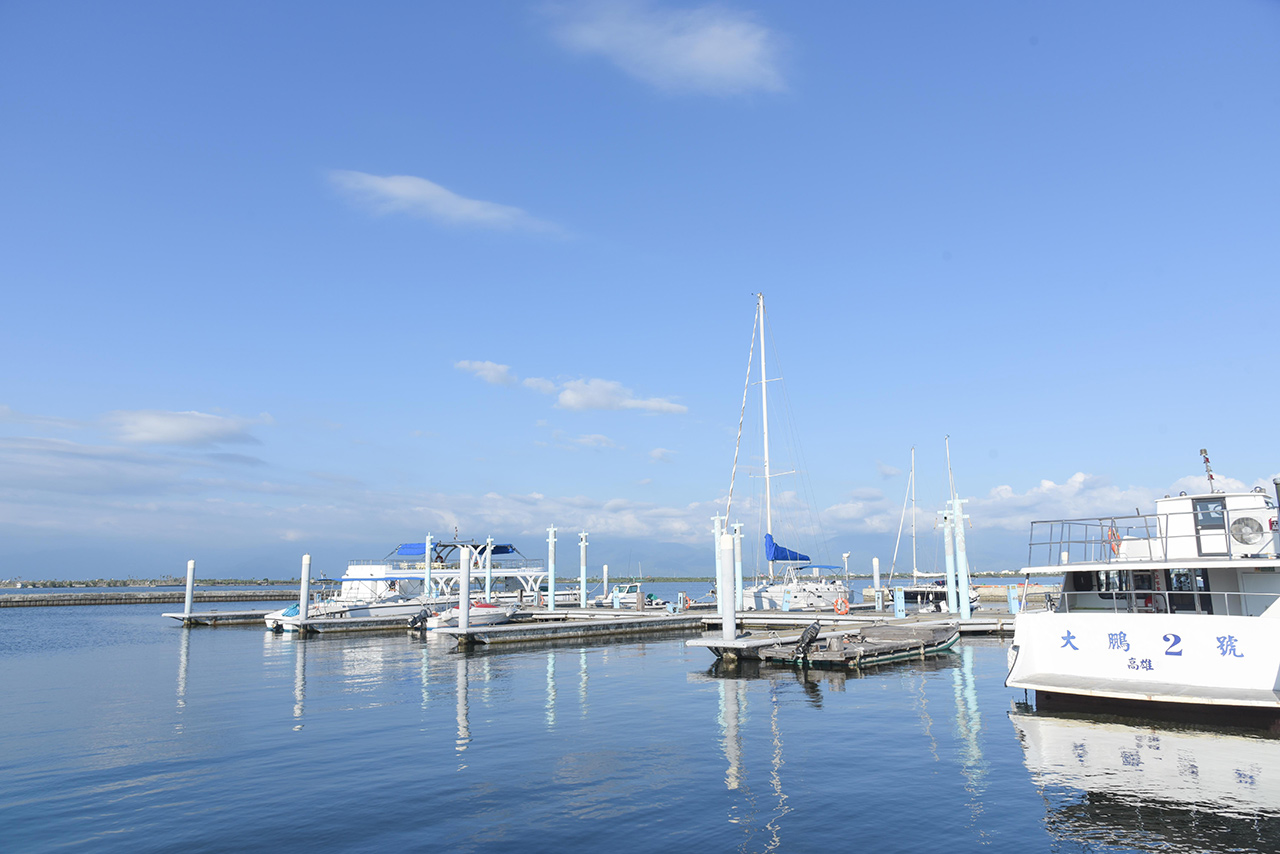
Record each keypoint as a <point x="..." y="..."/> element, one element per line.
<point x="1098" y="540"/>
<point x="1135" y="601"/>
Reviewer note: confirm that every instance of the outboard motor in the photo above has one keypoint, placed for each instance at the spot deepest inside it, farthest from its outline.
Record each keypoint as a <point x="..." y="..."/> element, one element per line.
<point x="807" y="637"/>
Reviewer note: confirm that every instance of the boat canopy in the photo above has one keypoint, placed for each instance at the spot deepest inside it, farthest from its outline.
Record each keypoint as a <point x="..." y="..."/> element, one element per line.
<point x="419" y="549"/>
<point x="773" y="551"/>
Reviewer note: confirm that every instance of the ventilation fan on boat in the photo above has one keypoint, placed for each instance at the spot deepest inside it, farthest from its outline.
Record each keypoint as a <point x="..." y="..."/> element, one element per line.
<point x="1246" y="530"/>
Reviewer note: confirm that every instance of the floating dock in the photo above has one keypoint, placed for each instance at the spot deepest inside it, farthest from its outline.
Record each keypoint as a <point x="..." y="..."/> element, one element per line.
<point x="143" y="597"/>
<point x="571" y="624"/>
<point x="218" y="618"/>
<point x="866" y="647"/>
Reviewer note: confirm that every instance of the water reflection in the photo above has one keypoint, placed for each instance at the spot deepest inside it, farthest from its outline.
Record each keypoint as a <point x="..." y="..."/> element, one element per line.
<point x="299" y="682"/>
<point x="969" y="731"/>
<point x="462" y="710"/>
<point x="184" y="656"/>
<point x="1153" y="788"/>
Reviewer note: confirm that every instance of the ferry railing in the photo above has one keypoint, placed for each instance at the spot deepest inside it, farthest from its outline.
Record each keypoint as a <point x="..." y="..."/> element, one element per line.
<point x="1150" y="537"/>
<point x="531" y="565"/>
<point x="1151" y="602"/>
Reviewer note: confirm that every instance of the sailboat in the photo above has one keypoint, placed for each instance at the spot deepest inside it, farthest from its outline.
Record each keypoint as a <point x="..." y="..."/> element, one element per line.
<point x="930" y="596"/>
<point x="795" y="590"/>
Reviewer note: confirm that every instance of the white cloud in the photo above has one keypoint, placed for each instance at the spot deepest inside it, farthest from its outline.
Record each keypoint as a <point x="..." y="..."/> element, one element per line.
<point x="157" y="427"/>
<point x="711" y="50"/>
<point x="578" y="395"/>
<point x="12" y="416"/>
<point x="609" y="394"/>
<point x="595" y="440"/>
<point x="409" y="194"/>
<point x="490" y="372"/>
<point x="540" y="385"/>
<point x="661" y="455"/>
<point x="887" y="471"/>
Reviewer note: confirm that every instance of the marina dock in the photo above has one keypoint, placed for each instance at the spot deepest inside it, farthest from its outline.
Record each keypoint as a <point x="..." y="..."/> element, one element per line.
<point x="574" y="623"/>
<point x="143" y="597"/>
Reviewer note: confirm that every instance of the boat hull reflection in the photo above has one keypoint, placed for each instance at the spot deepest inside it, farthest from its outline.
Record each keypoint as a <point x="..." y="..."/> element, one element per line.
<point x="1153" y="788"/>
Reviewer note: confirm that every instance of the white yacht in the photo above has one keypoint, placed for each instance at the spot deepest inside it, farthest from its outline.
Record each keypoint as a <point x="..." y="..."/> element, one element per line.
<point x="400" y="585"/>
<point x="1177" y="607"/>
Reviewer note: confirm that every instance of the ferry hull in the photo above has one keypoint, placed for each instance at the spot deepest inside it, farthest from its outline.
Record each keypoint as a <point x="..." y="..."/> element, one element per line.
<point x="1214" y="660"/>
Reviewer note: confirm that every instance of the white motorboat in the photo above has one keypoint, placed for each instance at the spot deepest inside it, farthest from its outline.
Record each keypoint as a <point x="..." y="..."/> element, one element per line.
<point x="624" y="596"/>
<point x="400" y="585"/>
<point x="478" y="614"/>
<point x="792" y="589"/>
<point x="1179" y="607"/>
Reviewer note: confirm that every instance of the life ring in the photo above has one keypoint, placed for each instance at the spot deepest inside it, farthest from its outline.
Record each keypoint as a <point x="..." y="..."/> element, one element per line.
<point x="842" y="605"/>
<point x="1113" y="537"/>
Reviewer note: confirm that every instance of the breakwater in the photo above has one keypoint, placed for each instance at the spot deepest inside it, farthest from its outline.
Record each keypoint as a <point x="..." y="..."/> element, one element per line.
<point x="138" y="597"/>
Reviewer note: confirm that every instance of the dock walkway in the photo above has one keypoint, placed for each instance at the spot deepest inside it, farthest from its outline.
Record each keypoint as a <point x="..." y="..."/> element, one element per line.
<point x="143" y="597"/>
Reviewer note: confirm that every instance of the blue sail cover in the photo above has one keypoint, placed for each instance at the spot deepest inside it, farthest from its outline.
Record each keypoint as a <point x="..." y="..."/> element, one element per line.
<point x="773" y="551"/>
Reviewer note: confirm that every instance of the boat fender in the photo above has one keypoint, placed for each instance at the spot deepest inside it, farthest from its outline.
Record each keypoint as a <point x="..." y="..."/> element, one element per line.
<point x="842" y="605"/>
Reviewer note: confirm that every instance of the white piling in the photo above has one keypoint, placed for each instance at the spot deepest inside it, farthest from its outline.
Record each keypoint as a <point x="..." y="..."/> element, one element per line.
<point x="551" y="568"/>
<point x="725" y="586"/>
<point x="304" y="591"/>
<point x="488" y="571"/>
<point x="948" y="542"/>
<point x="737" y="565"/>
<point x="715" y="539"/>
<point x="962" y="560"/>
<point x="426" y="572"/>
<point x="606" y="580"/>
<point x="582" y="570"/>
<point x="191" y="586"/>
<point x="875" y="573"/>
<point x="464" y="588"/>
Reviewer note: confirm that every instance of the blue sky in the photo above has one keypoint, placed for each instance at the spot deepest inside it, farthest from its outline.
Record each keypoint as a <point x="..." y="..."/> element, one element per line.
<point x="318" y="277"/>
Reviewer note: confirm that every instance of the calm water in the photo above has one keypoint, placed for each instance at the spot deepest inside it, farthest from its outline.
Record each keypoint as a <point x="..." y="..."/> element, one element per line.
<point x="125" y="732"/>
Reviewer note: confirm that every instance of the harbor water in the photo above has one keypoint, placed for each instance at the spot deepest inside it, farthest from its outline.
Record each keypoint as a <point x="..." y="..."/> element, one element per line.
<point x="125" y="732"/>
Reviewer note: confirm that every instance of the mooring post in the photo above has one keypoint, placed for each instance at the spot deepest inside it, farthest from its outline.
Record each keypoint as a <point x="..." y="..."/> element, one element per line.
<point x="962" y="559"/>
<point x="605" y="583"/>
<point x="953" y="604"/>
<point x="464" y="588"/>
<point x="488" y="570"/>
<point x="899" y="603"/>
<point x="191" y="589"/>
<point x="737" y="564"/>
<point x="716" y="530"/>
<point x="1012" y="592"/>
<point x="426" y="572"/>
<point x="304" y="595"/>
<point x="725" y="589"/>
<point x="551" y="568"/>
<point x="582" y="570"/>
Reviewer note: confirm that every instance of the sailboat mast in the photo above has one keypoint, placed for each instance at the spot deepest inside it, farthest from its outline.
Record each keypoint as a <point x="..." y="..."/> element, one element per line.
<point x="764" y="409"/>
<point x="915" y="571"/>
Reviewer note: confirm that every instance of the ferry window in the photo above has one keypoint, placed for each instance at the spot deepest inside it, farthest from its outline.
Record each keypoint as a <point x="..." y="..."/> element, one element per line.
<point x="1210" y="513"/>
<point x="1181" y="580"/>
<point x="1142" y="581"/>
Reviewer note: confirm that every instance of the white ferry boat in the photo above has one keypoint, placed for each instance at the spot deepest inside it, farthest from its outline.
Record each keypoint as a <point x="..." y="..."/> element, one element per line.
<point x="1178" y="608"/>
<point x="397" y="584"/>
